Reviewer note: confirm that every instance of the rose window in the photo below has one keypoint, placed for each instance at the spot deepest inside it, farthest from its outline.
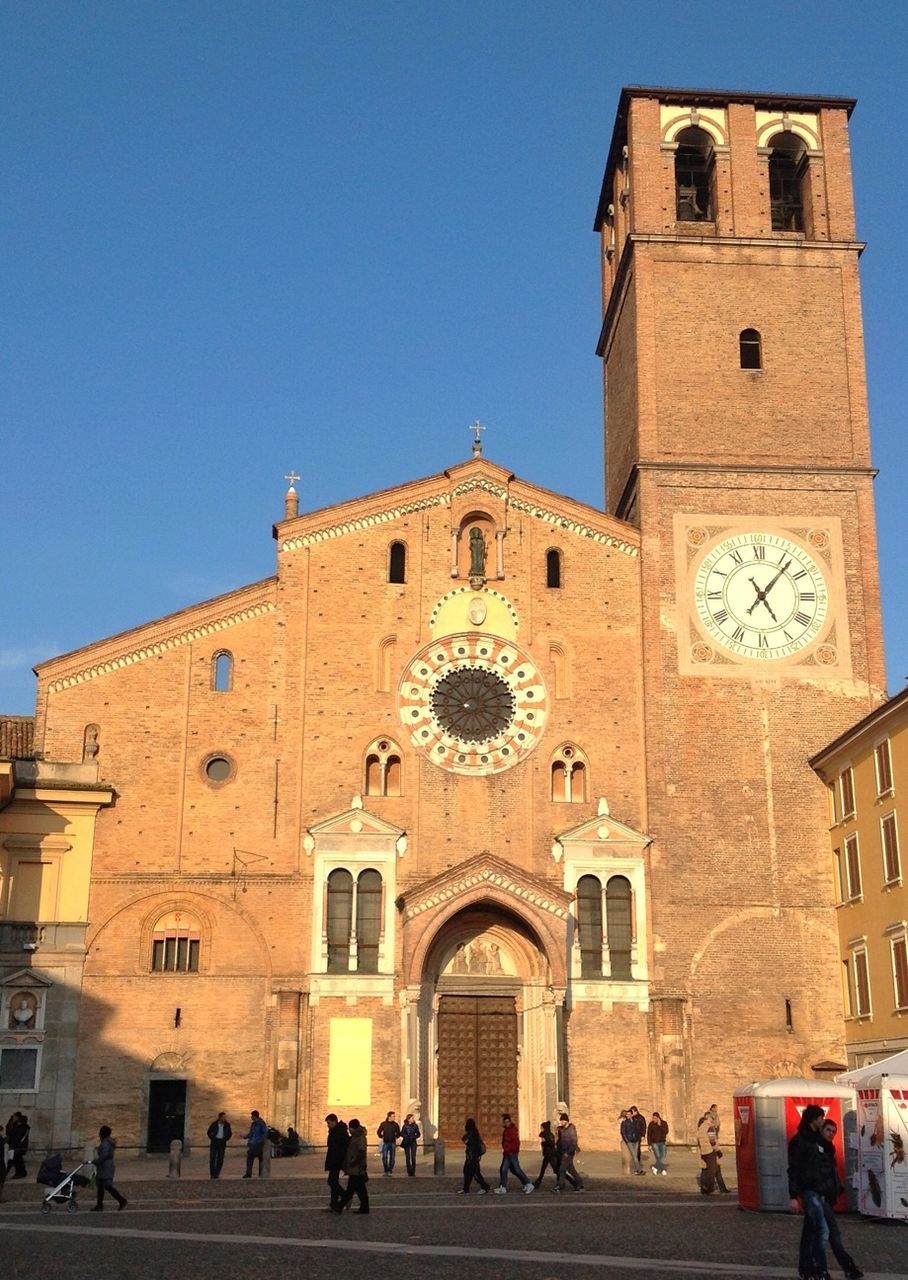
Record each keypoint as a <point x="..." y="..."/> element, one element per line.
<point x="473" y="704"/>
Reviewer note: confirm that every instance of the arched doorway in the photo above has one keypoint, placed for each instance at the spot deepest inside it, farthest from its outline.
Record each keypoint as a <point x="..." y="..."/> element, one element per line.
<point x="488" y="1024"/>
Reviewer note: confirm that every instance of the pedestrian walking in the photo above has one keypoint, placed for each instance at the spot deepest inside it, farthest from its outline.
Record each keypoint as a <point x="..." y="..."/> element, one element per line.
<point x="510" y="1149"/>
<point x="255" y="1141"/>
<point x="842" y="1256"/>
<point x="628" y="1130"/>
<point x="708" y="1146"/>
<point x="640" y="1130"/>
<point x="219" y="1134"/>
<point x="567" y="1147"/>
<point x="105" y="1169"/>
<point x="2" y="1158"/>
<point x="656" y="1135"/>
<point x="388" y="1132"/>
<point x="474" y="1149"/>
<point x="811" y="1179"/>
<point x="335" y="1155"/>
<point x="357" y="1170"/>
<point x="410" y="1134"/>
<point x="17" y="1132"/>
<point x="549" y="1152"/>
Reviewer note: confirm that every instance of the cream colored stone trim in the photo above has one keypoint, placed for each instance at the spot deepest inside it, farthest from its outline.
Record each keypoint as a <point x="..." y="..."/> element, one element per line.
<point x="458" y="887"/>
<point x="805" y="125"/>
<point x="712" y="120"/>
<point x="479" y="483"/>
<point x="153" y="650"/>
<point x="364" y="522"/>
<point x="574" y="526"/>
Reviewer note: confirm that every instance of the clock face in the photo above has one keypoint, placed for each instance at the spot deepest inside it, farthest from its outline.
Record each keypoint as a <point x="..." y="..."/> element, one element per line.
<point x="761" y="595"/>
<point x="473" y="703"/>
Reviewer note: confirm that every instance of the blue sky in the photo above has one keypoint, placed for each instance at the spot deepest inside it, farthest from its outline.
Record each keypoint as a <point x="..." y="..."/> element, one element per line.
<point x="248" y="236"/>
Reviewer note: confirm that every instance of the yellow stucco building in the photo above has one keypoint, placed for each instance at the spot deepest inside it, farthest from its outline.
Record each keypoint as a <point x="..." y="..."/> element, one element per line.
<point x="47" y="827"/>
<point x="866" y="771"/>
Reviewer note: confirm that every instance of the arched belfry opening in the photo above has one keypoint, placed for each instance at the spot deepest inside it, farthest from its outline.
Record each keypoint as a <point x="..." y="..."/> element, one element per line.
<point x="485" y="1026"/>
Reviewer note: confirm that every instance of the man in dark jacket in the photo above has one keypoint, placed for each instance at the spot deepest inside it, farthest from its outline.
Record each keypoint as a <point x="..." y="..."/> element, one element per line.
<point x="357" y="1170"/>
<point x="811" y="1178"/>
<point x="219" y="1134"/>
<point x="567" y="1147"/>
<point x="17" y="1131"/>
<point x="335" y="1155"/>
<point x="842" y="1256"/>
<point x="388" y="1132"/>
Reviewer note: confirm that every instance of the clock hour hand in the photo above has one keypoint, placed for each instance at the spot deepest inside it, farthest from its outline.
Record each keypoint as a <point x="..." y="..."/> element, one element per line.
<point x="761" y="599"/>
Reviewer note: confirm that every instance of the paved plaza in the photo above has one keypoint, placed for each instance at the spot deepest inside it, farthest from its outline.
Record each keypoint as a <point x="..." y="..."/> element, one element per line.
<point x="622" y="1228"/>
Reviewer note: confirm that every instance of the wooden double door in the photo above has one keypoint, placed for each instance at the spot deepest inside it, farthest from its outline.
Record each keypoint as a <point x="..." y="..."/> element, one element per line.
<point x="477" y="1065"/>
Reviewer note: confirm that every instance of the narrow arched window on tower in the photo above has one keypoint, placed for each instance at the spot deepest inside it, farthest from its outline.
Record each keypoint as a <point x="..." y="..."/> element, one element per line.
<point x="787" y="171"/>
<point x="553" y="568"/>
<point x="619" y="925"/>
<point x="589" y="926"/>
<point x="694" y="169"/>
<point x="751" y="349"/>
<point x="397" y="562"/>
<point x="340" y="920"/>
<point x="222" y="672"/>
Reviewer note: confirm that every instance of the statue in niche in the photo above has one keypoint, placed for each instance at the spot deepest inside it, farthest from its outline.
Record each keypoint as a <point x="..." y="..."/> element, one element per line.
<point x="459" y="964"/>
<point x="477" y="554"/>
<point x="90" y="744"/>
<point x="23" y="1013"/>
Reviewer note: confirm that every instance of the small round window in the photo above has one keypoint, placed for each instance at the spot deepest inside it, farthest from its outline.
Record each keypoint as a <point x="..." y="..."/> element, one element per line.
<point x="218" y="769"/>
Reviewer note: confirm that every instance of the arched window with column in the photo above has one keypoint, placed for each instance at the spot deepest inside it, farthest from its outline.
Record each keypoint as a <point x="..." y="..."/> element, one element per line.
<point x="619" y="926"/>
<point x="175" y="944"/>
<point x="382" y="774"/>
<point x="787" y="171"/>
<point x="589" y="926"/>
<point x="339" y="920"/>
<point x="569" y="775"/>
<point x="694" y="176"/>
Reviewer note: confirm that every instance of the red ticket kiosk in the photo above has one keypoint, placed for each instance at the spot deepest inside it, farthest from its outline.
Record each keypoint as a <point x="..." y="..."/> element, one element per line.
<point x="766" y="1116"/>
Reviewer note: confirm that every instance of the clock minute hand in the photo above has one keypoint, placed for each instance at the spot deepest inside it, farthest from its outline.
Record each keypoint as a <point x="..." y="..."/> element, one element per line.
<point x="769" y="586"/>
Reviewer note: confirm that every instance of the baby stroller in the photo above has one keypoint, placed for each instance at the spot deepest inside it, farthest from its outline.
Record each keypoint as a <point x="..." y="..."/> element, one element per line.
<point x="62" y="1186"/>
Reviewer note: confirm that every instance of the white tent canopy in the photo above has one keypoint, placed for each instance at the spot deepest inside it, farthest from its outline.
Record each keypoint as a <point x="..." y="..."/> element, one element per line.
<point x="869" y="1077"/>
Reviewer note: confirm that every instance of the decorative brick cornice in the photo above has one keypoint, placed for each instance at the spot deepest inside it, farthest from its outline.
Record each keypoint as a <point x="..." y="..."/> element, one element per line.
<point x="364" y="522"/>
<point x="486" y="875"/>
<point x="574" y="526"/>
<point x="479" y="482"/>
<point x="139" y="654"/>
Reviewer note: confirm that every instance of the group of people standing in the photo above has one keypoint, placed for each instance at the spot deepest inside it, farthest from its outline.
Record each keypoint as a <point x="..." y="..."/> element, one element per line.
<point x="390" y="1133"/>
<point x="632" y="1129"/>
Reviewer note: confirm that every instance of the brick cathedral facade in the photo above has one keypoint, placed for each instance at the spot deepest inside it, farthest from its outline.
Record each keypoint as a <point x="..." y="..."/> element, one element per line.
<point x="490" y="800"/>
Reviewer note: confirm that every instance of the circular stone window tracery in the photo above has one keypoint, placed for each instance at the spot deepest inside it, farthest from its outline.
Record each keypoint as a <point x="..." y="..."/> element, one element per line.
<point x="473" y="703"/>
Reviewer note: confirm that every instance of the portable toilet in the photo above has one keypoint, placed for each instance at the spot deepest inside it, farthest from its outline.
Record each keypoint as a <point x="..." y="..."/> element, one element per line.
<point x="882" y="1136"/>
<point x="767" y="1113"/>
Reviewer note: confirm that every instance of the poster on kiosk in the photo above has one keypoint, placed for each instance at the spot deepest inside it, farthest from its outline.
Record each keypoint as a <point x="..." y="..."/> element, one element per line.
<point x="882" y="1135"/>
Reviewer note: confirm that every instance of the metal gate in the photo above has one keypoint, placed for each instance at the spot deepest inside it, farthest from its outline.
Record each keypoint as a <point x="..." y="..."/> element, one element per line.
<point x="477" y="1064"/>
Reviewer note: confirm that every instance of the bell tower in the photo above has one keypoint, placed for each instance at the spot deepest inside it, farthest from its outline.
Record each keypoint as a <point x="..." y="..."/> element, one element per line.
<point x="737" y="440"/>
